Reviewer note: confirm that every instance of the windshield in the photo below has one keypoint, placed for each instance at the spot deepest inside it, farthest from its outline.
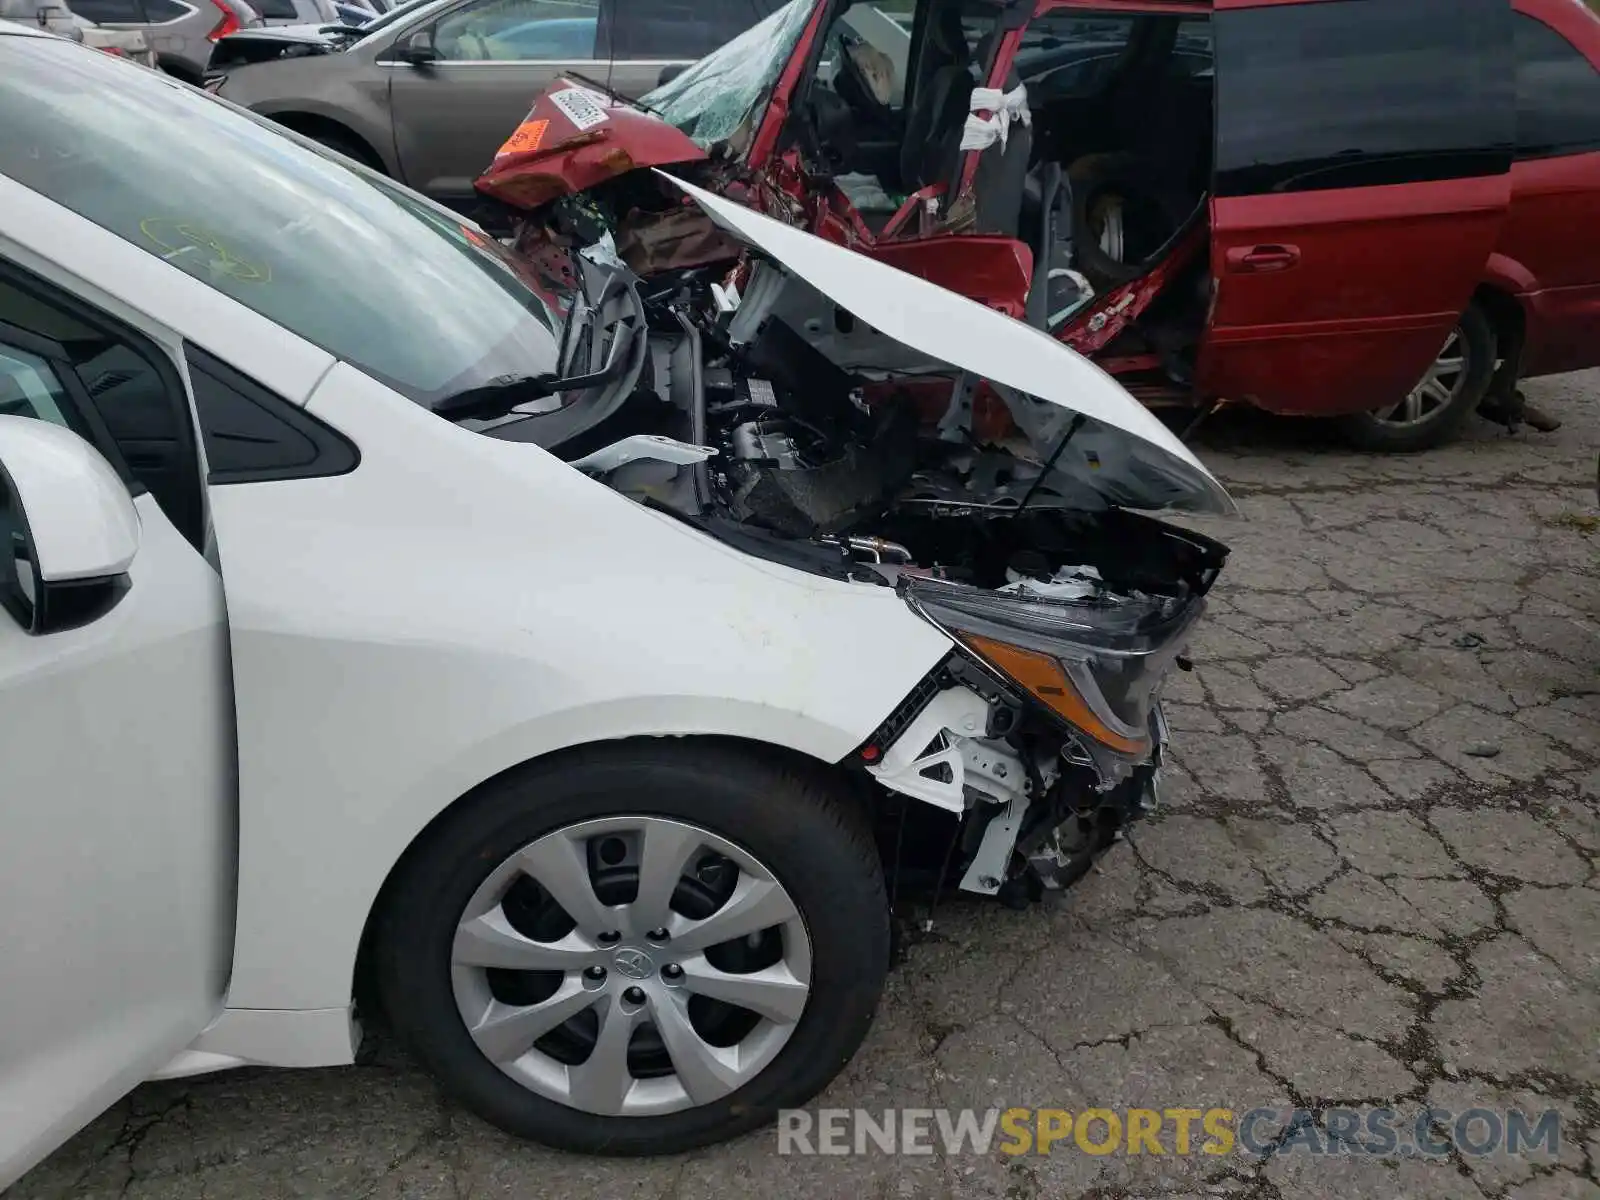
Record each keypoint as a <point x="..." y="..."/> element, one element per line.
<point x="727" y="90"/>
<point x="372" y="274"/>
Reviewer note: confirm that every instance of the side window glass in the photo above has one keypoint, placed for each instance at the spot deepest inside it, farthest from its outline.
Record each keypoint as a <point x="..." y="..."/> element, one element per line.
<point x="160" y="12"/>
<point x="1558" y="94"/>
<point x="251" y="434"/>
<point x="29" y="386"/>
<point x="1362" y="93"/>
<point x="104" y="12"/>
<point x="1192" y="53"/>
<point x="109" y="384"/>
<point x="674" y="30"/>
<point x="519" y="31"/>
<point x="1066" y="55"/>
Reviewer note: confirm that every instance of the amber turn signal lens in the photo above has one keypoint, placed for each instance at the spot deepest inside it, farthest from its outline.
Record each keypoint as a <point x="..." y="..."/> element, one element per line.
<point x="1044" y="679"/>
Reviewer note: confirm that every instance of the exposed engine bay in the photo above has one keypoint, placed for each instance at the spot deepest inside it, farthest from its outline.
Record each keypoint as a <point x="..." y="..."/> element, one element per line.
<point x="707" y="393"/>
<point x="717" y="407"/>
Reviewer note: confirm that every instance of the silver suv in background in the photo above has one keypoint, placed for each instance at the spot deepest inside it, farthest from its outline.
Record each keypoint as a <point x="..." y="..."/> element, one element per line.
<point x="429" y="92"/>
<point x="56" y="18"/>
<point x="182" y="32"/>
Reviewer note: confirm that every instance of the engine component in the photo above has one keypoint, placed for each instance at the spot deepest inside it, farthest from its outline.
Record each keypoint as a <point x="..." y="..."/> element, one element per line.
<point x="754" y="442"/>
<point x="806" y="500"/>
<point x="816" y="389"/>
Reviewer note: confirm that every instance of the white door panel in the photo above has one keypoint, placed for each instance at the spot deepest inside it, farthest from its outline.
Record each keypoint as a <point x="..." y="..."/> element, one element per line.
<point x="117" y="844"/>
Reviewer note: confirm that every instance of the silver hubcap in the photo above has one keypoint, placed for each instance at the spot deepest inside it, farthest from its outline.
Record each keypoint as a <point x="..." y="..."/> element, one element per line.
<point x="1109" y="211"/>
<point x="631" y="965"/>
<point x="1437" y="388"/>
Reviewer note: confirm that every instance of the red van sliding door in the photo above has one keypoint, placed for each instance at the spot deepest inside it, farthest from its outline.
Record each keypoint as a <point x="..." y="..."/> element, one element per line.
<point x="1362" y="179"/>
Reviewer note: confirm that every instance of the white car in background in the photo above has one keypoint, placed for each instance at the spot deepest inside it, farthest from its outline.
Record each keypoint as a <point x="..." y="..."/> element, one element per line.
<point x="546" y="652"/>
<point x="60" y="20"/>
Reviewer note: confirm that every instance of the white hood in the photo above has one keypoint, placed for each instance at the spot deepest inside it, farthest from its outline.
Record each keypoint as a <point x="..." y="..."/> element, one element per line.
<point x="1122" y="451"/>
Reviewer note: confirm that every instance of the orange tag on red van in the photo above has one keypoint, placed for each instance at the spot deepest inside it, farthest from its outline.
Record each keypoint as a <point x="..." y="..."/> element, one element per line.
<point x="527" y="138"/>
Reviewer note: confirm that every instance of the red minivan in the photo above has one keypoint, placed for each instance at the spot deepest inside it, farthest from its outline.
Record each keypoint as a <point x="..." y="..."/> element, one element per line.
<point x="1381" y="211"/>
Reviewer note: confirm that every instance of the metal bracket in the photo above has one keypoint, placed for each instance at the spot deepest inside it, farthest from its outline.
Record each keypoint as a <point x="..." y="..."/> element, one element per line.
<point x="926" y="761"/>
<point x="943" y="755"/>
<point x="988" y="869"/>
<point x="957" y="420"/>
<point x="642" y="446"/>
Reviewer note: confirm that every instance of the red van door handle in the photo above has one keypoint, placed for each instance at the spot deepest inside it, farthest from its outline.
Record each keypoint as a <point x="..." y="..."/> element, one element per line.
<point x="1258" y="260"/>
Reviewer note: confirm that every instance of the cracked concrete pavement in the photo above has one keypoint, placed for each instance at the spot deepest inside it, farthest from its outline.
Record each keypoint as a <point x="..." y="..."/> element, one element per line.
<point x="1373" y="882"/>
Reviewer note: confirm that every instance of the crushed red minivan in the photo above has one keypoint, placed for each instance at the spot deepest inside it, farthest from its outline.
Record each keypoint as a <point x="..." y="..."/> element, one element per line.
<point x="1381" y="211"/>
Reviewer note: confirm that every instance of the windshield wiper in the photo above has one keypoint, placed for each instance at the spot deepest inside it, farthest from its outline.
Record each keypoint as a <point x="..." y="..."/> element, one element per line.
<point x="497" y="397"/>
<point x="505" y="393"/>
<point x="613" y="93"/>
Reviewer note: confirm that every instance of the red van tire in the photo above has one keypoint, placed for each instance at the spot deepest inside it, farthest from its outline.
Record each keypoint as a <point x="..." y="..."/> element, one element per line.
<point x="1443" y="399"/>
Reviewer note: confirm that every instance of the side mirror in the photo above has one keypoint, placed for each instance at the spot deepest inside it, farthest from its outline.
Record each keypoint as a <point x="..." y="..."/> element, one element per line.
<point x="669" y="73"/>
<point x="68" y="528"/>
<point x="418" y="49"/>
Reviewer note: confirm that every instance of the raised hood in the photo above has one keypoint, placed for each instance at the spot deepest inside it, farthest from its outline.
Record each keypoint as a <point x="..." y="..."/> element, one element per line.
<point x="1118" y="449"/>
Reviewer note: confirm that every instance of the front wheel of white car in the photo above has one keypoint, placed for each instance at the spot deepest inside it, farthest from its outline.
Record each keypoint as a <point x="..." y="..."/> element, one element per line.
<point x="638" y="949"/>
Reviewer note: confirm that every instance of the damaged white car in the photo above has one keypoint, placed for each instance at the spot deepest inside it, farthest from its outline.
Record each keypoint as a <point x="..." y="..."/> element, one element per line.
<point x="573" y="673"/>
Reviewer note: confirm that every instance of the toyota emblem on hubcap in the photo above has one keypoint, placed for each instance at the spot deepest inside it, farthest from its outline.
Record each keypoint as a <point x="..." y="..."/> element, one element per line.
<point x="635" y="964"/>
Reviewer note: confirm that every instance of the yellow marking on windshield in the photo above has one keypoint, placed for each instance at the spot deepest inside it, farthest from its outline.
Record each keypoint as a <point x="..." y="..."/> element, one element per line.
<point x="199" y="251"/>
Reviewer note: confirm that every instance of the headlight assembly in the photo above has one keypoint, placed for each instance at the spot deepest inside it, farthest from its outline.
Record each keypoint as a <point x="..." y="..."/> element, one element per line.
<point x="1096" y="661"/>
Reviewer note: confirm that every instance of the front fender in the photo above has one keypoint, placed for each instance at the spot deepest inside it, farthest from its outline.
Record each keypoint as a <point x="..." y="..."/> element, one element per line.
<point x="460" y="604"/>
<point x="1506" y="274"/>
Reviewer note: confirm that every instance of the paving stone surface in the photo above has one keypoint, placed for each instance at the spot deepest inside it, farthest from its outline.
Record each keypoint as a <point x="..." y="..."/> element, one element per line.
<point x="1375" y="884"/>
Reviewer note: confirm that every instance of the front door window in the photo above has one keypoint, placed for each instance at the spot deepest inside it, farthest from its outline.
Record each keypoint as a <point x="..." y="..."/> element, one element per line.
<point x="519" y="31"/>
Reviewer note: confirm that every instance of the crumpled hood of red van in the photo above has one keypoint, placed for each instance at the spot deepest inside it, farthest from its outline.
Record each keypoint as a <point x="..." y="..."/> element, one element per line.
<point x="574" y="138"/>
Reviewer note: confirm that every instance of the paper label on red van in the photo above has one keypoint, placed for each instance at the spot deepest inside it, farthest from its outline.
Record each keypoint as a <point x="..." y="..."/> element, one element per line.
<point x="528" y="137"/>
<point x="580" y="106"/>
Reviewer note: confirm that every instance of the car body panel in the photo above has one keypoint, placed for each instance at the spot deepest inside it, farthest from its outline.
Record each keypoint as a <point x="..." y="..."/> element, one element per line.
<point x="549" y="155"/>
<point x="1554" y="270"/>
<point x="1382" y="278"/>
<point x="97" y="849"/>
<point x="370" y="770"/>
<point x="451" y="117"/>
<point x="349" y="89"/>
<point x="124" y="43"/>
<point x="1554" y="197"/>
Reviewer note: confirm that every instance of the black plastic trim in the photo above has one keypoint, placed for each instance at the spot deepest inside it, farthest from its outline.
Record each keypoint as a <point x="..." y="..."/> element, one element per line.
<point x="334" y="454"/>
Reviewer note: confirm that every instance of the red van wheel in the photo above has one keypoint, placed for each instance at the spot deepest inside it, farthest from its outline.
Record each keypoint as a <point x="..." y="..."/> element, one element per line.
<point x="1446" y="395"/>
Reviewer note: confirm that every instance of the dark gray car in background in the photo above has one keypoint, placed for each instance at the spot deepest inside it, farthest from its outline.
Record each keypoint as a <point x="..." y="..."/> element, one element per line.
<point x="429" y="92"/>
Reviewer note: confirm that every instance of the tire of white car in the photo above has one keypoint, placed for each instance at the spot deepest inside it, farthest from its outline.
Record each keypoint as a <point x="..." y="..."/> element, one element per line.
<point x="792" y="820"/>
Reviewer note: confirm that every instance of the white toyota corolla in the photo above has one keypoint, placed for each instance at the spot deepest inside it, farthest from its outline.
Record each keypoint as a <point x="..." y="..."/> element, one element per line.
<point x="571" y="668"/>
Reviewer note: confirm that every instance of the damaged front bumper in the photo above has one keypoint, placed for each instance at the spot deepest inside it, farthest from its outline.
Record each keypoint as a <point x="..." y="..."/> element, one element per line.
<point x="1035" y="813"/>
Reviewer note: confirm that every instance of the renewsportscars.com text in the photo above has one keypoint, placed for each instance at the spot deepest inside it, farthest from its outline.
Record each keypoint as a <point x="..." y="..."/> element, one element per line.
<point x="1383" y="1132"/>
